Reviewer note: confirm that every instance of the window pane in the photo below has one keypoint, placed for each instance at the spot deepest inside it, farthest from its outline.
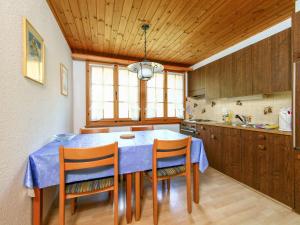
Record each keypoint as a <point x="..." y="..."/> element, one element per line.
<point x="132" y="79"/>
<point x="123" y="110"/>
<point x="96" y="111"/>
<point x="159" y="109"/>
<point x="108" y="74"/>
<point x="175" y="95"/>
<point x="123" y="93"/>
<point x="150" y="111"/>
<point x="159" y="95"/>
<point x="123" y="77"/>
<point x="108" y="94"/>
<point x="108" y="110"/>
<point x="179" y="82"/>
<point x="128" y="94"/>
<point x="171" y="96"/>
<point x="133" y="94"/>
<point x="159" y="80"/>
<point x="101" y="92"/>
<point x="171" y="110"/>
<point x="151" y="82"/>
<point x="151" y="95"/>
<point x="96" y="93"/>
<point x="171" y="81"/>
<point x="96" y="75"/>
<point x="179" y="96"/>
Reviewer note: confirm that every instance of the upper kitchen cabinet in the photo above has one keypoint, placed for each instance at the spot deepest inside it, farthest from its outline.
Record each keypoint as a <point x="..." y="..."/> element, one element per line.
<point x="212" y="80"/>
<point x="242" y="72"/>
<point x="261" y="67"/>
<point x="281" y="61"/>
<point x="296" y="36"/>
<point x="196" y="82"/>
<point x="226" y="76"/>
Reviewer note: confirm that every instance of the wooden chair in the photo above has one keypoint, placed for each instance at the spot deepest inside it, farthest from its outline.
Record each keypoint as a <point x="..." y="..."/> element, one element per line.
<point x="94" y="130"/>
<point x="72" y="159"/>
<point x="166" y="149"/>
<point x="141" y="128"/>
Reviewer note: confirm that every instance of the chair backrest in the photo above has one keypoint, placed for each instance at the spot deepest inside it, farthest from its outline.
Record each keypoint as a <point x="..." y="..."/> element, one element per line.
<point x="71" y="159"/>
<point x="94" y="130"/>
<point x="171" y="148"/>
<point x="141" y="128"/>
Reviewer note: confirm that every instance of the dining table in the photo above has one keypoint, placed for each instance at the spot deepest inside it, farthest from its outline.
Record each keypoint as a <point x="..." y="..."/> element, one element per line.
<point x="135" y="156"/>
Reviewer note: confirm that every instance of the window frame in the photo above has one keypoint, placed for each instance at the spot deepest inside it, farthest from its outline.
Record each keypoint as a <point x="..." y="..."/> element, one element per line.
<point x="142" y="101"/>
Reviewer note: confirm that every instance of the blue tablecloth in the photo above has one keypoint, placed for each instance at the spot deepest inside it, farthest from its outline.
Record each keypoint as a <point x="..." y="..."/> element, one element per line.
<point x="134" y="155"/>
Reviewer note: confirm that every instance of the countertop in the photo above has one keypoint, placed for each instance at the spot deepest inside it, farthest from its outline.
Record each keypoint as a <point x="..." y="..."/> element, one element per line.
<point x="220" y="124"/>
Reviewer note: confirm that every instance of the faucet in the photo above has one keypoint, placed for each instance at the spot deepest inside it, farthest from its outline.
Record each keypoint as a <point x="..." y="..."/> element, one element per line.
<point x="244" y="119"/>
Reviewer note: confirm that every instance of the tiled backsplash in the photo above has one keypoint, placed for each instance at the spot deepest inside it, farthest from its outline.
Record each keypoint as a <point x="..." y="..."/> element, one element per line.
<point x="203" y="109"/>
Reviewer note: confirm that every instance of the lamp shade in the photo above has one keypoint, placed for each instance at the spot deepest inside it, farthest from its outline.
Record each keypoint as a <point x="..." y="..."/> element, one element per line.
<point x="145" y="70"/>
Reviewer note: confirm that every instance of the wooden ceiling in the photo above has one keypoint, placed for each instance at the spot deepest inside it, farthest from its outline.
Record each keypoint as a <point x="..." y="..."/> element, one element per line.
<point x="181" y="32"/>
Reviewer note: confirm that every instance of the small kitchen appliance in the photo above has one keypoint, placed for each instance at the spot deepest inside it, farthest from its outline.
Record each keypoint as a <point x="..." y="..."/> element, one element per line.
<point x="285" y="119"/>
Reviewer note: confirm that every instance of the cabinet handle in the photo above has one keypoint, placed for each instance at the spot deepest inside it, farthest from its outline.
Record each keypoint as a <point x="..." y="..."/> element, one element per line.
<point x="212" y="136"/>
<point x="202" y="128"/>
<point x="261" y="147"/>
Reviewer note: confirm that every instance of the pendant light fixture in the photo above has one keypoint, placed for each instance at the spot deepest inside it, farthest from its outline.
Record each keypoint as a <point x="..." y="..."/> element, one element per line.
<point x="145" y="69"/>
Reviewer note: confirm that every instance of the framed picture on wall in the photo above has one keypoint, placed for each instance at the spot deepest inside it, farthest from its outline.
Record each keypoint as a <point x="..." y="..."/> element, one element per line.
<point x="33" y="53"/>
<point x="63" y="80"/>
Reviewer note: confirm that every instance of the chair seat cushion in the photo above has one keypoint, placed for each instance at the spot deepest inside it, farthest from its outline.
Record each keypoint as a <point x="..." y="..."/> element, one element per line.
<point x="168" y="171"/>
<point x="89" y="185"/>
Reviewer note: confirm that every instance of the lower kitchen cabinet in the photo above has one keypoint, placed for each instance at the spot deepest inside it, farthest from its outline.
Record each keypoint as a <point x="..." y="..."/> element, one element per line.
<point x="261" y="160"/>
<point x="231" y="148"/>
<point x="297" y="182"/>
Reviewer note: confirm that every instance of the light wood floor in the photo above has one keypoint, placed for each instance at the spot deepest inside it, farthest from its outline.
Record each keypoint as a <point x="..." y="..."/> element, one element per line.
<point x="222" y="201"/>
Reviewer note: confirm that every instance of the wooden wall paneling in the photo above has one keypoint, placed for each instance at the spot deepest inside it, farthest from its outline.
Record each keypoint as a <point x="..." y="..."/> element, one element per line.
<point x="226" y="77"/>
<point x="242" y="72"/>
<point x="261" y="67"/>
<point x="281" y="61"/>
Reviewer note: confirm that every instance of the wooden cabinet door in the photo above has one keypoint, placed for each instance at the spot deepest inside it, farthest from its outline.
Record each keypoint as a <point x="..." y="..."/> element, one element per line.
<point x="212" y="82"/>
<point x="231" y="147"/>
<point x="296" y="36"/>
<point x="242" y="72"/>
<point x="262" y="162"/>
<point x="281" y="61"/>
<point x="261" y="67"/>
<point x="196" y="81"/>
<point x="215" y="148"/>
<point x="281" y="169"/>
<point x="248" y="158"/>
<point x="297" y="181"/>
<point x="226" y="77"/>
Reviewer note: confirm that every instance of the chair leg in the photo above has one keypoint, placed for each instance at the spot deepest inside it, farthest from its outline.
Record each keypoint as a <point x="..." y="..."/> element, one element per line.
<point x="61" y="209"/>
<point x="73" y="205"/>
<point x="155" y="203"/>
<point x="189" y="195"/>
<point x="116" y="207"/>
<point x="169" y="184"/>
<point x="142" y="185"/>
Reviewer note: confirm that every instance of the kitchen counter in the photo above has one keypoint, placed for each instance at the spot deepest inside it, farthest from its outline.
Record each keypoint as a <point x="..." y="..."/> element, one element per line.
<point x="220" y="124"/>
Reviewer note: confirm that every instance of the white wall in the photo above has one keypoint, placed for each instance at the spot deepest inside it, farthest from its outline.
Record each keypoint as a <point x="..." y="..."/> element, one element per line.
<point x="79" y="70"/>
<point x="29" y="112"/>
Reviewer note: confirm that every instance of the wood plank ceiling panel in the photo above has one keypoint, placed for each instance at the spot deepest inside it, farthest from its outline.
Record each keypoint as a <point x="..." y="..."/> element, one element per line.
<point x="181" y="32"/>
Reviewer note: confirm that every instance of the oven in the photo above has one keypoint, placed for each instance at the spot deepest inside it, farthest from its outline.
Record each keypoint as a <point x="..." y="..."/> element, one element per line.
<point x="188" y="128"/>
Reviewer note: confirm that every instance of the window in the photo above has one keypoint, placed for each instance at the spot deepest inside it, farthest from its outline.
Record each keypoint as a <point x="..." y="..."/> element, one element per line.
<point x="155" y="96"/>
<point x="128" y="94"/>
<point x="101" y="92"/>
<point x="116" y="96"/>
<point x="175" y="94"/>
